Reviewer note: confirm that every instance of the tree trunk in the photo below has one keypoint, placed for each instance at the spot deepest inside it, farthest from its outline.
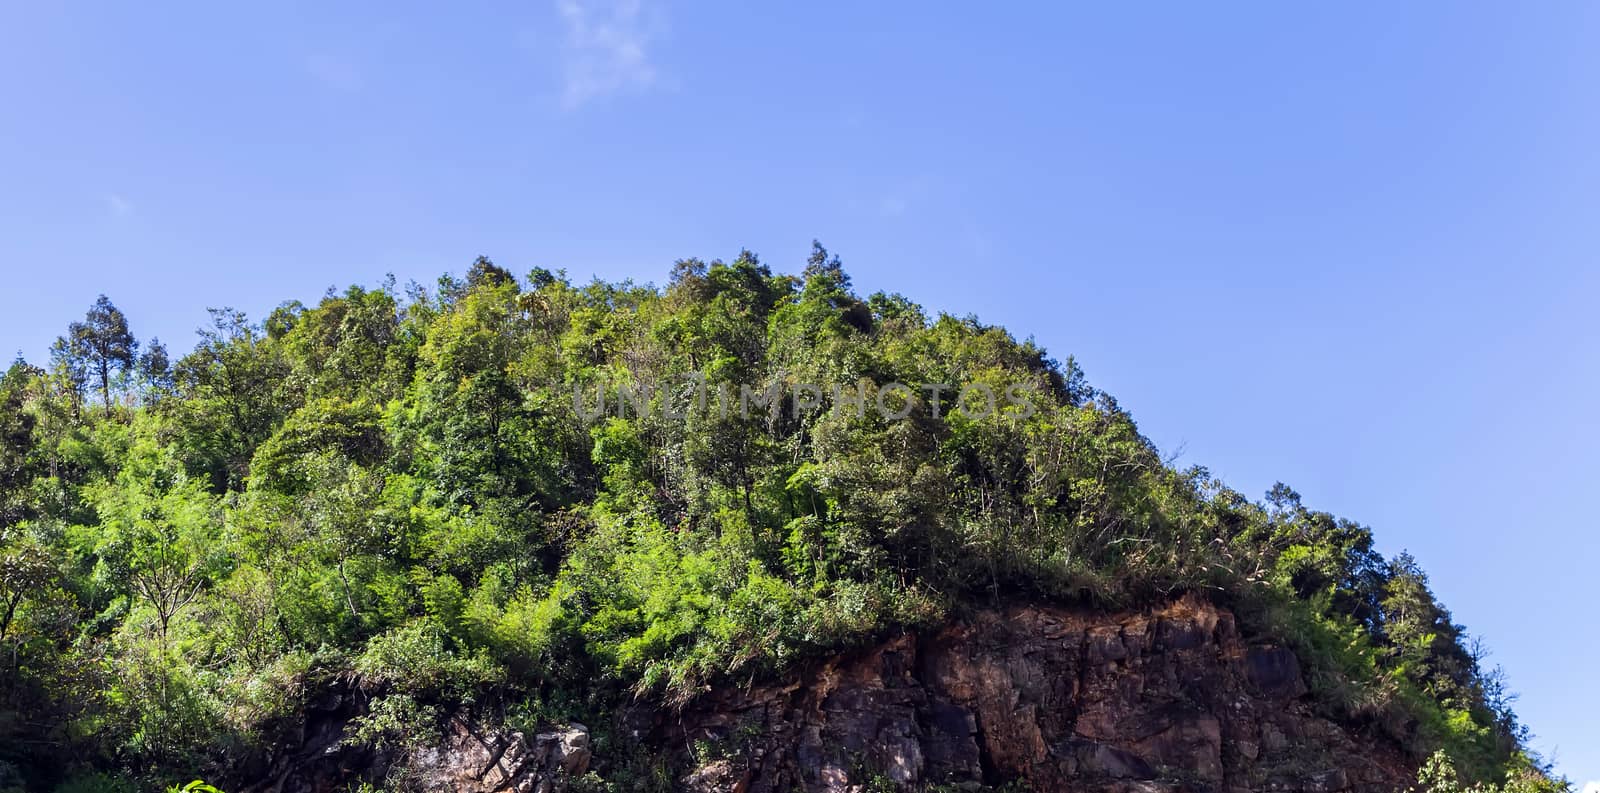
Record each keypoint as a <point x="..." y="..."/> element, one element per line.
<point x="105" y="385"/>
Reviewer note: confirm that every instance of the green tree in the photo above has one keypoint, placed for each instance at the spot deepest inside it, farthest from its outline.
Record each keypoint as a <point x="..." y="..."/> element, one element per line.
<point x="104" y="345"/>
<point x="18" y="466"/>
<point x="155" y="371"/>
<point x="232" y="397"/>
<point x="26" y="571"/>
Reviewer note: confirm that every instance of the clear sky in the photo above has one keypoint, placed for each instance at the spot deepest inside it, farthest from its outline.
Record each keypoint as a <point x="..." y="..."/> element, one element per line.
<point x="1354" y="247"/>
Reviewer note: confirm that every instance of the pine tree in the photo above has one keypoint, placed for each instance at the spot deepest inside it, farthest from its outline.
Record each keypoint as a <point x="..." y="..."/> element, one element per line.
<point x="101" y="344"/>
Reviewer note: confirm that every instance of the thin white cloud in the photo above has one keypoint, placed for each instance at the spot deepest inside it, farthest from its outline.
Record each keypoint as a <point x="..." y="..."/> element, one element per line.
<point x="1592" y="787"/>
<point x="118" y="206"/>
<point x="605" y="49"/>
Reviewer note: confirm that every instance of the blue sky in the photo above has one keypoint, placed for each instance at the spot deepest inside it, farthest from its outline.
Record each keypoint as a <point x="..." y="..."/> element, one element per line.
<point x="1349" y="246"/>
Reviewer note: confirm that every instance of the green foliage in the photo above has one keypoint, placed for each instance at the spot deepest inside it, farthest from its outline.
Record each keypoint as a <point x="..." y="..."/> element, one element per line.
<point x="96" y="350"/>
<point x="1439" y="775"/>
<point x="195" y="786"/>
<point x="401" y="491"/>
<point x="415" y="670"/>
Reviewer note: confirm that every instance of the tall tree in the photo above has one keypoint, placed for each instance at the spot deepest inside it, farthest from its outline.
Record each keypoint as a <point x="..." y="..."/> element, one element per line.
<point x="155" y="370"/>
<point x="103" y="343"/>
<point x="231" y="390"/>
<point x="68" y="367"/>
<point x="17" y="442"/>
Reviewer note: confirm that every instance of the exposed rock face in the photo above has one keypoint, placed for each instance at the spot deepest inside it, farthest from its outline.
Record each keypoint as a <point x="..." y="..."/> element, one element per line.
<point x="1046" y="699"/>
<point x="471" y="758"/>
<point x="469" y="761"/>
<point x="1170" y="699"/>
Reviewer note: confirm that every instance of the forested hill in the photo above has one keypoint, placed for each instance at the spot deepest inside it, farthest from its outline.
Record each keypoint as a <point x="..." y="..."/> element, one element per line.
<point x="544" y="500"/>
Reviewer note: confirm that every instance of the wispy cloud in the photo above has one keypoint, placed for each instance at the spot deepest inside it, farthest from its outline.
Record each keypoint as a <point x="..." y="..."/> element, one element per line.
<point x="1592" y="787"/>
<point x="118" y="206"/>
<point x="605" y="50"/>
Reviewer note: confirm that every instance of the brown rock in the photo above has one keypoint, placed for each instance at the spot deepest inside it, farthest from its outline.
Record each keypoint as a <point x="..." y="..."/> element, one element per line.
<point x="1058" y="699"/>
<point x="1161" y="700"/>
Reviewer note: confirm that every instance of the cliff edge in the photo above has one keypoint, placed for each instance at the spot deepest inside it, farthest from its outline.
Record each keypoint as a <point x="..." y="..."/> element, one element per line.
<point x="1170" y="698"/>
<point x="1048" y="699"/>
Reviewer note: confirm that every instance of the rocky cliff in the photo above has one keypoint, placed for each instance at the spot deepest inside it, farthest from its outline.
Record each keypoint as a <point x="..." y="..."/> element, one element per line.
<point x="1030" y="698"/>
<point x="1048" y="699"/>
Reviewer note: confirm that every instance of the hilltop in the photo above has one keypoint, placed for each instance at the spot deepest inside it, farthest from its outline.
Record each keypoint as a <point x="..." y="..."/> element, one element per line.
<point x="351" y="541"/>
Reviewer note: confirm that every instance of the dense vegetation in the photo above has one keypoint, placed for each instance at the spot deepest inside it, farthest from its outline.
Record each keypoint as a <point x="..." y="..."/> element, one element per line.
<point x="401" y="486"/>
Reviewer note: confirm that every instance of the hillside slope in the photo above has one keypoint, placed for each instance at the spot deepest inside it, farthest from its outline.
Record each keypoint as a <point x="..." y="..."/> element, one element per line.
<point x="380" y="528"/>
